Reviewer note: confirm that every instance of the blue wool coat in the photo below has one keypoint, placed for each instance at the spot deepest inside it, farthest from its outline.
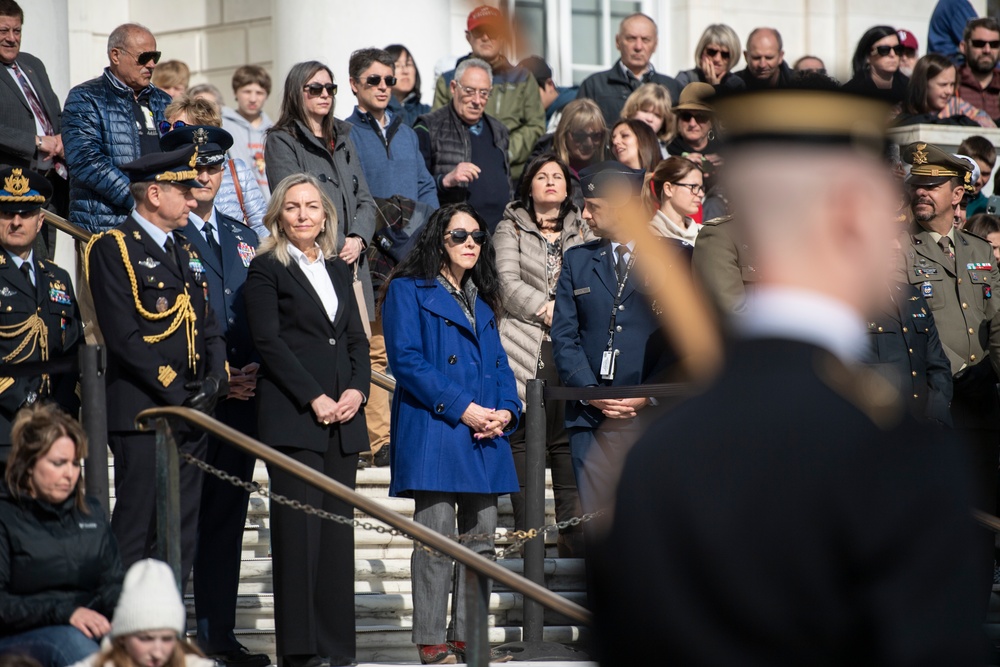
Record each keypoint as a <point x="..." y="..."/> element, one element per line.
<point x="441" y="365"/>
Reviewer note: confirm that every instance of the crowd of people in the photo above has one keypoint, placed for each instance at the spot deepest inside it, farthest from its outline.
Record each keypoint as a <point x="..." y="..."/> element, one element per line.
<point x="260" y="271"/>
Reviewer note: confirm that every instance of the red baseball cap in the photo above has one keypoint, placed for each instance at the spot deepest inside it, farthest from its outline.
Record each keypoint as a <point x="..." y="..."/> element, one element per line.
<point x="907" y="40"/>
<point x="485" y="15"/>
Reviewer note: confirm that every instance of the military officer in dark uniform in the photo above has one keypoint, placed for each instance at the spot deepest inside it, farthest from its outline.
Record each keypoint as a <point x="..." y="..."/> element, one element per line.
<point x="225" y="247"/>
<point x="165" y="346"/>
<point x="725" y="264"/>
<point x="604" y="329"/>
<point x="786" y="514"/>
<point x="38" y="316"/>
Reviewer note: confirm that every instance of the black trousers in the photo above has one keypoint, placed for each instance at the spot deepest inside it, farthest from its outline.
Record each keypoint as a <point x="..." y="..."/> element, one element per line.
<point x="313" y="562"/>
<point x="134" y="519"/>
<point x="560" y="461"/>
<point x="220" y="534"/>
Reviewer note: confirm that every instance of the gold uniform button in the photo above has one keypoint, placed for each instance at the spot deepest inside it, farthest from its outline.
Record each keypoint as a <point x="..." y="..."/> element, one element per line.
<point x="905" y="329"/>
<point x="9" y="309"/>
<point x="159" y="285"/>
<point x="916" y="396"/>
<point x="195" y="332"/>
<point x="971" y="331"/>
<point x="880" y="329"/>
<point x="911" y="350"/>
<point x="972" y="357"/>
<point x="197" y="356"/>
<point x="965" y="305"/>
<point x="959" y="281"/>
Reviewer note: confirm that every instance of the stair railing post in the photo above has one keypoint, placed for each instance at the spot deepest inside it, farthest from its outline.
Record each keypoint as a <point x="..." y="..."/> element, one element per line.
<point x="534" y="504"/>
<point x="94" y="415"/>
<point x="477" y="645"/>
<point x="168" y="499"/>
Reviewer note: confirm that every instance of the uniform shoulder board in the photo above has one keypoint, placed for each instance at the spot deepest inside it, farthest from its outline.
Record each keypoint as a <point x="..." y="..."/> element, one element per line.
<point x="588" y="244"/>
<point x="718" y="221"/>
<point x="973" y="236"/>
<point x="865" y="389"/>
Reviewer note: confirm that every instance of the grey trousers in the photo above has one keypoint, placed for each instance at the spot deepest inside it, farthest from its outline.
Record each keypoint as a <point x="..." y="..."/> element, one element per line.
<point x="435" y="576"/>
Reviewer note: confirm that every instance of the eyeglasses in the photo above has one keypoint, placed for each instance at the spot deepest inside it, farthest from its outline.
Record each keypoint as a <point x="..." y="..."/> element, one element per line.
<point x="460" y="235"/>
<point x="884" y="50"/>
<point x="374" y="79"/>
<point x="582" y="136"/>
<point x="695" y="188"/>
<point x="144" y="57"/>
<point x="316" y="89"/>
<point x="712" y="52"/>
<point x="686" y="117"/>
<point x="165" y="126"/>
<point x="483" y="93"/>
<point x="980" y="43"/>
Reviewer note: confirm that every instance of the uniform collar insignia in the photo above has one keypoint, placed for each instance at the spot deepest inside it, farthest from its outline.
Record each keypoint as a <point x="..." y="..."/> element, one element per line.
<point x="137" y="236"/>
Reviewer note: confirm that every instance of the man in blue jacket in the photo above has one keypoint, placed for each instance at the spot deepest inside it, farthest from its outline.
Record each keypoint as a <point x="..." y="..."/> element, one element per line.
<point x="110" y="121"/>
<point x="226" y="247"/>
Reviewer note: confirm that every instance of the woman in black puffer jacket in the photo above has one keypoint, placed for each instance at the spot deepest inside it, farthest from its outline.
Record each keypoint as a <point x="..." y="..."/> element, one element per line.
<point x="60" y="572"/>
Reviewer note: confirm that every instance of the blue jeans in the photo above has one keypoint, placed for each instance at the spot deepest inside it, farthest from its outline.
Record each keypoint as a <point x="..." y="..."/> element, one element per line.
<point x="52" y="645"/>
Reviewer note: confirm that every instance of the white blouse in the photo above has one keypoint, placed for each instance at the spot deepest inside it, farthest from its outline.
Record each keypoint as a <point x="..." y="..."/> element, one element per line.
<point x="318" y="277"/>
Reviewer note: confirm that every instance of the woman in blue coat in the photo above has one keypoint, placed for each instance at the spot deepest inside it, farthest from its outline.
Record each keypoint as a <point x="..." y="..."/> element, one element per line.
<point x="455" y="401"/>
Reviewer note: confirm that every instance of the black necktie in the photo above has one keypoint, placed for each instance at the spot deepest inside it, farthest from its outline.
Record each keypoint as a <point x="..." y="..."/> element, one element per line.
<point x="621" y="265"/>
<point x="212" y="243"/>
<point x="168" y="247"/>
<point x="26" y="270"/>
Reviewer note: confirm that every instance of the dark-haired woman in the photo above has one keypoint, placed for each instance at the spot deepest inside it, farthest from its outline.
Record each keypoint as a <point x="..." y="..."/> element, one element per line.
<point x="634" y="144"/>
<point x="307" y="138"/>
<point x="60" y="572"/>
<point x="456" y="399"/>
<point x="931" y="97"/>
<point x="876" y="65"/>
<point x="405" y="97"/>
<point x="530" y="241"/>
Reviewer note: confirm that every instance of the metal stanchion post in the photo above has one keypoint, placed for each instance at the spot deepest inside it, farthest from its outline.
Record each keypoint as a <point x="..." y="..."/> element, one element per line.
<point x="94" y="415"/>
<point x="478" y="608"/>
<point x="168" y="499"/>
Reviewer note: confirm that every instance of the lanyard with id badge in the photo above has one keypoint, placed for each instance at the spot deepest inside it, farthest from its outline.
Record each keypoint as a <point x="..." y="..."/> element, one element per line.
<point x="610" y="356"/>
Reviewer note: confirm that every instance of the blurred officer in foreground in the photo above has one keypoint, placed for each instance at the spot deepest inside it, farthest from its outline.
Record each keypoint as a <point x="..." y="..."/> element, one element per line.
<point x="165" y="346"/>
<point x="793" y="509"/>
<point x="225" y="247"/>
<point x="38" y="318"/>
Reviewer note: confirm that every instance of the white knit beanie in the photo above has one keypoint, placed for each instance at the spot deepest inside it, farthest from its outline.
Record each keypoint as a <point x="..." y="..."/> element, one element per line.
<point x="149" y="601"/>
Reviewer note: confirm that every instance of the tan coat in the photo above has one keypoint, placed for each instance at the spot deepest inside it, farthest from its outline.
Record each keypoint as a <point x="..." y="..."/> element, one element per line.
<point x="521" y="255"/>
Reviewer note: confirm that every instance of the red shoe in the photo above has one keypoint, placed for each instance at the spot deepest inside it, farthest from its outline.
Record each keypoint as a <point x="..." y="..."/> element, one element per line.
<point x="496" y="655"/>
<point x="436" y="654"/>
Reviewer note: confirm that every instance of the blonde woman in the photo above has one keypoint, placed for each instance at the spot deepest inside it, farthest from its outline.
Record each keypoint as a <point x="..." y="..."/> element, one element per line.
<point x="716" y="55"/>
<point x="651" y="104"/>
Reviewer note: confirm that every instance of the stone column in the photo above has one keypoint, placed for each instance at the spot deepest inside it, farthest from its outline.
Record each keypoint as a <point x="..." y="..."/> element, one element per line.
<point x="46" y="36"/>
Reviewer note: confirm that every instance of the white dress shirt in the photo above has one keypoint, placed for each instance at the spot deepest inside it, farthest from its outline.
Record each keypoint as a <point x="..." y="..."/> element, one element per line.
<point x="318" y="277"/>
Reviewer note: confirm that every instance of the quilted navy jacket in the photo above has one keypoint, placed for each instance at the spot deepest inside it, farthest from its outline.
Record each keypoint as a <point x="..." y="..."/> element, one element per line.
<point x="99" y="136"/>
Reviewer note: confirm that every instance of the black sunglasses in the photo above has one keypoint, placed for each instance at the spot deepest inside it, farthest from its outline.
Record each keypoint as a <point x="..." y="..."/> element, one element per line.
<point x="493" y="32"/>
<point x="316" y="89"/>
<point x="460" y="235"/>
<point x="373" y="80"/>
<point x="165" y="126"/>
<point x="686" y="116"/>
<point x="884" y="50"/>
<point x="144" y="57"/>
<point x="980" y="43"/>
<point x="711" y="53"/>
<point x="582" y="136"/>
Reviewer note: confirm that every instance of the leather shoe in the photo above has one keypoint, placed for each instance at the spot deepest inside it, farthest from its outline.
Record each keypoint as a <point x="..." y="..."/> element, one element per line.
<point x="241" y="657"/>
<point x="381" y="458"/>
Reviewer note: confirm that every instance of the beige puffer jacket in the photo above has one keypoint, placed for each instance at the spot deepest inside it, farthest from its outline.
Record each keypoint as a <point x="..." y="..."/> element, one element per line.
<point x="521" y="255"/>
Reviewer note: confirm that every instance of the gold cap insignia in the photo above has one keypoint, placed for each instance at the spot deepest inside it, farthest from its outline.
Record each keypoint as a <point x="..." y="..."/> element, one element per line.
<point x="17" y="183"/>
<point x="920" y="154"/>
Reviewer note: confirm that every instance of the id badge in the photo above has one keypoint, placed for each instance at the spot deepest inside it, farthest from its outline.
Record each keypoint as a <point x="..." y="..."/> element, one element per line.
<point x="608" y="365"/>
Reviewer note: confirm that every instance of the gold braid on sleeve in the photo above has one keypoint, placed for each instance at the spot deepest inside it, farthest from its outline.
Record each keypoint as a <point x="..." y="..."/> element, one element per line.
<point x="35" y="334"/>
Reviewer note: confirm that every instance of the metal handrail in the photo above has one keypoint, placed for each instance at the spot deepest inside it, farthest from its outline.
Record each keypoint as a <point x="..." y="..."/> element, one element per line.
<point x="369" y="506"/>
<point x="384" y="381"/>
<point x="64" y="225"/>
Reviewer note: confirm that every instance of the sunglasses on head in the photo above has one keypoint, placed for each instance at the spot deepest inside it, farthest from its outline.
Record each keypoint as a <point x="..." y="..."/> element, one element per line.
<point x="144" y="57"/>
<point x="373" y="80"/>
<point x="980" y="43"/>
<point x="582" y="136"/>
<point x="460" y="235"/>
<point x="884" y="50"/>
<point x="316" y="89"/>
<point x="712" y="52"/>
<point x="165" y="126"/>
<point x="686" y="117"/>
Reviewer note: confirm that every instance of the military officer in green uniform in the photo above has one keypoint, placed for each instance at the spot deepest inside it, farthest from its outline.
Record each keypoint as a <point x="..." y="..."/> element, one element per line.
<point x="38" y="316"/>
<point x="725" y="264"/>
<point x="165" y="346"/>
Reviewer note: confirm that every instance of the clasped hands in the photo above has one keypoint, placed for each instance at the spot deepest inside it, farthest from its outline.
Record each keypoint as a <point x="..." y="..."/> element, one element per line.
<point x="243" y="382"/>
<point x="623" y="408"/>
<point x="329" y="411"/>
<point x="484" y="422"/>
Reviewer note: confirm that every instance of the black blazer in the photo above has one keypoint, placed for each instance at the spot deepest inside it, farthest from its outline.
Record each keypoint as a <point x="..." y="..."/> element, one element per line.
<point x="304" y="355"/>
<point x="17" y="123"/>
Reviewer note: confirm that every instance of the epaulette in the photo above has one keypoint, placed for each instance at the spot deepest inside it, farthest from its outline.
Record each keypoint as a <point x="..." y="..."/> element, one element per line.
<point x="867" y="390"/>
<point x="718" y="221"/>
<point x="588" y="244"/>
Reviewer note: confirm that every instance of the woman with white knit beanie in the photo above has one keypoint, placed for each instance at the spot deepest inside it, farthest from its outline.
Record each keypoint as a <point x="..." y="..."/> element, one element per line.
<point x="148" y="626"/>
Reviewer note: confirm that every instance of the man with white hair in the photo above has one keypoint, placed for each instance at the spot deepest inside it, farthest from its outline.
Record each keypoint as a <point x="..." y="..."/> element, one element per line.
<point x="465" y="148"/>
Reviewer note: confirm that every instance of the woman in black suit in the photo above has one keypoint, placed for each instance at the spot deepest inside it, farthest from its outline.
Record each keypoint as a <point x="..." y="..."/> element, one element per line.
<point x="306" y="325"/>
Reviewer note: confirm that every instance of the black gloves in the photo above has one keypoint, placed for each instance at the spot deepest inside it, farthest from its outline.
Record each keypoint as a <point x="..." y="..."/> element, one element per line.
<point x="206" y="393"/>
